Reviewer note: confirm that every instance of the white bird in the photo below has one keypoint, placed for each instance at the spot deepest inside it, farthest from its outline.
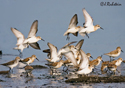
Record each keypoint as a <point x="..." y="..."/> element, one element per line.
<point x="88" y="25"/>
<point x="20" y="39"/>
<point x="53" y="53"/>
<point x="86" y="70"/>
<point x="65" y="49"/>
<point x="32" y="34"/>
<point x="73" y="28"/>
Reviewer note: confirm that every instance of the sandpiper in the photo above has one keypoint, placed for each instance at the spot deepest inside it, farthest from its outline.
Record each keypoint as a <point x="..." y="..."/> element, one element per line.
<point x="12" y="64"/>
<point x="28" y="70"/>
<point x="55" y="65"/>
<point x="20" y="39"/>
<point x="72" y="27"/>
<point x="114" y="53"/>
<point x="113" y="68"/>
<point x="88" y="25"/>
<point x="53" y="53"/>
<point x="32" y="34"/>
<point x="29" y="60"/>
<point x="86" y="70"/>
<point x="96" y="61"/>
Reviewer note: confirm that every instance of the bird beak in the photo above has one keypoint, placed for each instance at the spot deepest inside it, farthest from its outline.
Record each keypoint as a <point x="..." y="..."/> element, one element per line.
<point x="122" y="50"/>
<point x="101" y="28"/>
<point x="37" y="59"/>
<point x="42" y="39"/>
<point x="91" y="57"/>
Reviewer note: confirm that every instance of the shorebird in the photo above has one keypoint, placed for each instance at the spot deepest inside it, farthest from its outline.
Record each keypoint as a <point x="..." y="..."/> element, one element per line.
<point x="113" y="68"/>
<point x="29" y="60"/>
<point x="96" y="61"/>
<point x="114" y="53"/>
<point x="84" y="62"/>
<point x="28" y="70"/>
<point x="86" y="70"/>
<point x="32" y="34"/>
<point x="53" y="53"/>
<point x="20" y="39"/>
<point x="65" y="49"/>
<point x="88" y="25"/>
<point x="115" y="62"/>
<point x="104" y="65"/>
<point x="12" y="64"/>
<point x="73" y="28"/>
<point x="55" y="65"/>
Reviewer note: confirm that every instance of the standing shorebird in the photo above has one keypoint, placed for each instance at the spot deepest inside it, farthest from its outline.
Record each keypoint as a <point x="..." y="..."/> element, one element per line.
<point x="12" y="64"/>
<point x="88" y="25"/>
<point x="29" y="60"/>
<point x="114" y="53"/>
<point x="96" y="62"/>
<point x="55" y="65"/>
<point x="28" y="70"/>
<point x="72" y="27"/>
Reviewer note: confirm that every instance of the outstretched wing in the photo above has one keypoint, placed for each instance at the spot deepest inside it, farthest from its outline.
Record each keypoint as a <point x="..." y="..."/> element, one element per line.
<point x="73" y="21"/>
<point x="35" y="45"/>
<point x="71" y="57"/>
<point x="84" y="60"/>
<point x="88" y="18"/>
<point x="79" y="44"/>
<point x="33" y="29"/>
<point x="53" y="50"/>
<point x="19" y="35"/>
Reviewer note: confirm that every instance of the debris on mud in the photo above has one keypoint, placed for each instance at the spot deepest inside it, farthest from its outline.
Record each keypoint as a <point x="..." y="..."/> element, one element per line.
<point x="38" y="66"/>
<point x="4" y="72"/>
<point x="97" y="79"/>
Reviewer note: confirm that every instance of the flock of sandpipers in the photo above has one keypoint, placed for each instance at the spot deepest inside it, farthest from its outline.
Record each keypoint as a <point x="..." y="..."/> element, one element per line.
<point x="74" y="55"/>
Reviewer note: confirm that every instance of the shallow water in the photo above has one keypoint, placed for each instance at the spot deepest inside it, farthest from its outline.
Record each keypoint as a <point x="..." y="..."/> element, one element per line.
<point x="41" y="78"/>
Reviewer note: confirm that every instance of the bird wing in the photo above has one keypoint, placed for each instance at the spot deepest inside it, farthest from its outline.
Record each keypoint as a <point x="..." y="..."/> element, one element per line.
<point x="19" y="35"/>
<point x="84" y="60"/>
<point x="73" y="21"/>
<point x="69" y="44"/>
<point x="33" y="29"/>
<point x="53" y="50"/>
<point x="79" y="44"/>
<point x="10" y="63"/>
<point x="88" y="18"/>
<point x="71" y="57"/>
<point x="35" y="45"/>
<point x="25" y="60"/>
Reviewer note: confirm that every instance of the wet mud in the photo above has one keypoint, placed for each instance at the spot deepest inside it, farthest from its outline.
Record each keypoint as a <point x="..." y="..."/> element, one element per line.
<point x="96" y="79"/>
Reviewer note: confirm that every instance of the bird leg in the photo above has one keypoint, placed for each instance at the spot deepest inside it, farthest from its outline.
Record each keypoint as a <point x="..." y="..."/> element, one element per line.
<point x="20" y="55"/>
<point x="68" y="37"/>
<point x="117" y="71"/>
<point x="86" y="34"/>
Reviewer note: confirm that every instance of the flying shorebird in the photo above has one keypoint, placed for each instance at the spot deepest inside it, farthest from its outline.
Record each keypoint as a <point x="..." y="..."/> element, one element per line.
<point x="53" y="53"/>
<point x="88" y="25"/>
<point x="12" y="64"/>
<point x="114" y="53"/>
<point x="29" y="60"/>
<point x="72" y="27"/>
<point x="23" y="43"/>
<point x="32" y="34"/>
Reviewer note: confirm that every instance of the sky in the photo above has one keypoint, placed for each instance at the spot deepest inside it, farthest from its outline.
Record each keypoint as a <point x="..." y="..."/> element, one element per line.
<point x="53" y="20"/>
